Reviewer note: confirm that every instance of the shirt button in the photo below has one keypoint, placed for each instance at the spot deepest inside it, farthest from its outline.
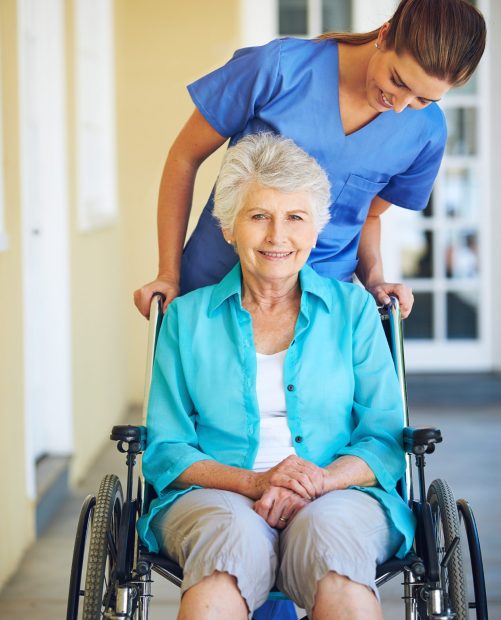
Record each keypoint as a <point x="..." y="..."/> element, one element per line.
<point x="298" y="439"/>
<point x="290" y="387"/>
<point x="250" y="430"/>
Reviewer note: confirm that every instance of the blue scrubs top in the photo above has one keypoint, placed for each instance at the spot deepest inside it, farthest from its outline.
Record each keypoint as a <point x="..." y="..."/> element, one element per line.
<point x="291" y="87"/>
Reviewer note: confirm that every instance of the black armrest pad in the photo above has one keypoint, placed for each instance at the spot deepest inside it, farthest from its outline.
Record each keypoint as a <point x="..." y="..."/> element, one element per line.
<point x="421" y="439"/>
<point x="130" y="434"/>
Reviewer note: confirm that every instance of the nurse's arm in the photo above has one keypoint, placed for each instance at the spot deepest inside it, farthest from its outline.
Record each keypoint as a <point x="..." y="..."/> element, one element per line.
<point x="196" y="141"/>
<point x="370" y="264"/>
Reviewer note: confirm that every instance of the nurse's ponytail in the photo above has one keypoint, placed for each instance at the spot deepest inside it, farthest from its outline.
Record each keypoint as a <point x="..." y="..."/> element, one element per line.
<point x="445" y="37"/>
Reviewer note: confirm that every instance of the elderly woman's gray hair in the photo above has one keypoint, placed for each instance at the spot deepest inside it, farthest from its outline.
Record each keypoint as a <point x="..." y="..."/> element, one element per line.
<point x="274" y="162"/>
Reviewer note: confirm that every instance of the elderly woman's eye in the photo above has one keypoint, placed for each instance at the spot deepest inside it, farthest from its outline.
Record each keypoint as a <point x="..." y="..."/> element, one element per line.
<point x="259" y="216"/>
<point x="295" y="217"/>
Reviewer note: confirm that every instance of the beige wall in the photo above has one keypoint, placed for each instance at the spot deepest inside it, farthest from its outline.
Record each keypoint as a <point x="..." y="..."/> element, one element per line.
<point x="161" y="47"/>
<point x="16" y="526"/>
<point x="98" y="299"/>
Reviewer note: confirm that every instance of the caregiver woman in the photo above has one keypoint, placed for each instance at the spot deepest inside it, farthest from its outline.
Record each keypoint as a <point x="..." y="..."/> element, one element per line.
<point x="364" y="105"/>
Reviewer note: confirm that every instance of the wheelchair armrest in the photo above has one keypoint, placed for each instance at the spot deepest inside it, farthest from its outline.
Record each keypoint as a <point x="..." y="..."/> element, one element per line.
<point x="421" y="439"/>
<point x="134" y="436"/>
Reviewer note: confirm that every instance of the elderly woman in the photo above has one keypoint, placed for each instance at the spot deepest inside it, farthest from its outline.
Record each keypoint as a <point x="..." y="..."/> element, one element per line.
<point x="274" y="423"/>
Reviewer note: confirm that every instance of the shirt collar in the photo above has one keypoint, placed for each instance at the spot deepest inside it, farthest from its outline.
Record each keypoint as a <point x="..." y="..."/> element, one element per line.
<point x="231" y="285"/>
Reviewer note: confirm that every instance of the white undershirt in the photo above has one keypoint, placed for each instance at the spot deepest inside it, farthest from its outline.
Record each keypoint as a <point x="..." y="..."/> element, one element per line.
<point x="275" y="442"/>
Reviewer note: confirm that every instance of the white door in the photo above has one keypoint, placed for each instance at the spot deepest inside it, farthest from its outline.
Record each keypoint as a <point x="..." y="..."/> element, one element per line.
<point x="44" y="204"/>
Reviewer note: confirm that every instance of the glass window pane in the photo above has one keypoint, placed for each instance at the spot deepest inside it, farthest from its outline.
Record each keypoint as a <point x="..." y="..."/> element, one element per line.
<point x="462" y="131"/>
<point x="460" y="192"/>
<point x="417" y="255"/>
<point x="293" y="17"/>
<point x="461" y="254"/>
<point x="419" y="325"/>
<point x="462" y="315"/>
<point x="336" y="15"/>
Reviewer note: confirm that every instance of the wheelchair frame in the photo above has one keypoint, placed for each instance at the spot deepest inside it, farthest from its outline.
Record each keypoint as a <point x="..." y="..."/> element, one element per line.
<point x="118" y="567"/>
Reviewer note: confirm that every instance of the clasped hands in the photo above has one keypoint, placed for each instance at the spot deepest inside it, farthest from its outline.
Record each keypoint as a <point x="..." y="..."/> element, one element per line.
<point x="286" y="488"/>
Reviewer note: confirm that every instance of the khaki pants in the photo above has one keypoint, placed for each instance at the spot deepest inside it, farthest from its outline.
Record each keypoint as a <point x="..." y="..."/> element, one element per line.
<point x="208" y="530"/>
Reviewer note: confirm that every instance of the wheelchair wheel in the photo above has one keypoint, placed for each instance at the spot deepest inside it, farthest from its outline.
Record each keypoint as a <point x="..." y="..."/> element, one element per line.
<point x="100" y="579"/>
<point x="474" y="568"/>
<point x="80" y="552"/>
<point x="446" y="527"/>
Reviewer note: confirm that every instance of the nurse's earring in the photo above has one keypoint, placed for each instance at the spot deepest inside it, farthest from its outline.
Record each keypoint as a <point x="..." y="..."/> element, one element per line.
<point x="376" y="45"/>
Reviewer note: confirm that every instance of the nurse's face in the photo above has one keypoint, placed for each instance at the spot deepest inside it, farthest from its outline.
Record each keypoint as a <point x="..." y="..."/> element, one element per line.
<point x="273" y="234"/>
<point x="395" y="82"/>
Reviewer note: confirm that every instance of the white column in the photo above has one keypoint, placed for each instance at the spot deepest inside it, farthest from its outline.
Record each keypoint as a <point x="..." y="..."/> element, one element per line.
<point x="45" y="243"/>
<point x="258" y="21"/>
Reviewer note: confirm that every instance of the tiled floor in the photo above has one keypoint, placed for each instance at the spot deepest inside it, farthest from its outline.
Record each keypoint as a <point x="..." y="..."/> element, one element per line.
<point x="469" y="459"/>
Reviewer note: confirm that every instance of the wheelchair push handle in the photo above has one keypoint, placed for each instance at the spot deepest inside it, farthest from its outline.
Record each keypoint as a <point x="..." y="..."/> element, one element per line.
<point x="155" y="321"/>
<point x="157" y="302"/>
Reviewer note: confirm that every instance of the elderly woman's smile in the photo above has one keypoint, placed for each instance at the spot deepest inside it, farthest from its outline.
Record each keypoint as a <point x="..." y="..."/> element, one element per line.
<point x="273" y="232"/>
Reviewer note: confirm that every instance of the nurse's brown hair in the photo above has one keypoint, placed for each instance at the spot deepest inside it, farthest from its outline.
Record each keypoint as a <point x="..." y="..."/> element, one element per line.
<point x="445" y="37"/>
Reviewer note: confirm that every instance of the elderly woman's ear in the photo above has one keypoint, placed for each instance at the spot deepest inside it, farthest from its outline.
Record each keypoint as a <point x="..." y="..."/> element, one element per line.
<point x="228" y="237"/>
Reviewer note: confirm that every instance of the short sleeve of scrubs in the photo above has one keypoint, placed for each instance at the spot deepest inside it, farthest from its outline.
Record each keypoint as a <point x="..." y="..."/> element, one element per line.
<point x="411" y="189"/>
<point x="231" y="95"/>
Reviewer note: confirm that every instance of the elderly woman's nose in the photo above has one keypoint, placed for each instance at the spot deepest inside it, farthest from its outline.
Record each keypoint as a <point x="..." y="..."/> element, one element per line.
<point x="276" y="231"/>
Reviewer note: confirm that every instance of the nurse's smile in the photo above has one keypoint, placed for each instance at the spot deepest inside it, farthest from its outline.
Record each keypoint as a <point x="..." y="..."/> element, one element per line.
<point x="385" y="102"/>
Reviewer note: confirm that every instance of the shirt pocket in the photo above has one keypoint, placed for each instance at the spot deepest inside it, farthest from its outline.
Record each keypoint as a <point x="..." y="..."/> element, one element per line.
<point x="352" y="205"/>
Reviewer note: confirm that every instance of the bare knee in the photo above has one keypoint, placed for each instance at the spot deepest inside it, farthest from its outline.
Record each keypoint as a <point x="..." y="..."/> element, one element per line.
<point x="334" y="582"/>
<point x="353" y="600"/>
<point x="214" y="597"/>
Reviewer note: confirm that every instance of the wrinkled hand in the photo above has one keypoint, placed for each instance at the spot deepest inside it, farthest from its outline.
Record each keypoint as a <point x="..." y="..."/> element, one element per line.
<point x="381" y="292"/>
<point x="296" y="474"/>
<point x="278" y="506"/>
<point x="143" y="295"/>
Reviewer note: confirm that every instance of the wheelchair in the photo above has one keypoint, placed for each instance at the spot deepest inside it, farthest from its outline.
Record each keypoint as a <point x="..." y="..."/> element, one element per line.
<point x="443" y="577"/>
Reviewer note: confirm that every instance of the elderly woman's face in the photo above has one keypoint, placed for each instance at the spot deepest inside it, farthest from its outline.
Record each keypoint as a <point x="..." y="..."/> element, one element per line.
<point x="274" y="232"/>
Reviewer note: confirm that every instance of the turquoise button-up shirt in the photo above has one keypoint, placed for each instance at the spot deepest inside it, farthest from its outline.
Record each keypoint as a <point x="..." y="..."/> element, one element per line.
<point x="341" y="390"/>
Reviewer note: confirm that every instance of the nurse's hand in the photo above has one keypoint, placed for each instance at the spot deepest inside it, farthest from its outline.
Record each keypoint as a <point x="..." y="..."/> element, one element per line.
<point x="143" y="295"/>
<point x="278" y="506"/>
<point x="382" y="291"/>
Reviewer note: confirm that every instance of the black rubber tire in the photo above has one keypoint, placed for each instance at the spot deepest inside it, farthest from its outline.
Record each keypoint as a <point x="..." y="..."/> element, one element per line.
<point x="473" y="565"/>
<point x="100" y="579"/>
<point x="446" y="525"/>
<point x="79" y="555"/>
